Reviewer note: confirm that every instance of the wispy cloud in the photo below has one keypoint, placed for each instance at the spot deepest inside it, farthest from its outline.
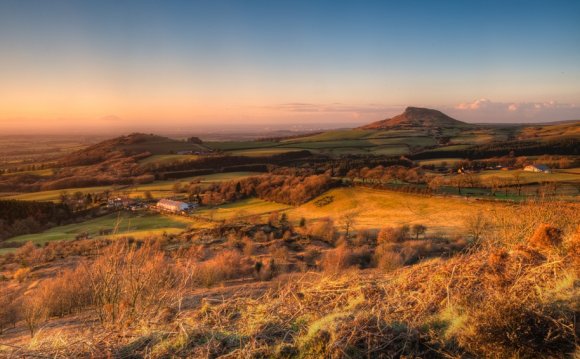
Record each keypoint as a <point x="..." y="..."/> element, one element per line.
<point x="486" y="104"/>
<point x="486" y="110"/>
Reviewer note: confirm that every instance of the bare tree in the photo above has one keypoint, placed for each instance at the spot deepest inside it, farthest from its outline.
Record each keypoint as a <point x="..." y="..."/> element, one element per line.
<point x="518" y="183"/>
<point x="348" y="221"/>
<point x="33" y="312"/>
<point x="418" y="229"/>
<point x="476" y="225"/>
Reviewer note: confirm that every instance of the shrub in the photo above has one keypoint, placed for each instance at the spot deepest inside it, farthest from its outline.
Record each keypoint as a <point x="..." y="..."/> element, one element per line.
<point x="66" y="293"/>
<point x="386" y="258"/>
<point x="323" y="230"/>
<point x="335" y="260"/>
<point x="546" y="237"/>
<point x="280" y="254"/>
<point x="507" y="328"/>
<point x="21" y="274"/>
<point x="9" y="309"/>
<point x="225" y="265"/>
<point x="33" y="312"/>
<point x="390" y="235"/>
<point x="249" y="246"/>
<point x="311" y="256"/>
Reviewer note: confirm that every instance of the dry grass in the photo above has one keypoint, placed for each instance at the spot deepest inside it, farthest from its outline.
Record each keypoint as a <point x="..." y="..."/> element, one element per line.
<point x="505" y="303"/>
<point x="506" y="298"/>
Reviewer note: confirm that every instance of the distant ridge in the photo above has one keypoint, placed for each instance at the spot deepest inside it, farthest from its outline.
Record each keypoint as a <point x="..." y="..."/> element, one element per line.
<point x="417" y="117"/>
<point x="139" y="144"/>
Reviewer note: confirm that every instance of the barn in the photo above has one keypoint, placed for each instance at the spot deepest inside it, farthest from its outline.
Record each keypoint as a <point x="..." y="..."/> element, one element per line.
<point x="172" y="206"/>
<point x="537" y="168"/>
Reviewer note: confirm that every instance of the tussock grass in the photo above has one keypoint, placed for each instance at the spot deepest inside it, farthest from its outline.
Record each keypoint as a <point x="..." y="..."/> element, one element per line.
<point x="499" y="298"/>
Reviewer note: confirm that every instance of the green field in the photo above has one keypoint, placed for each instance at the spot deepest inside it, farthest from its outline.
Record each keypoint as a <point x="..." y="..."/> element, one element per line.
<point x="374" y="208"/>
<point x="167" y="159"/>
<point x="258" y="152"/>
<point x="137" y="225"/>
<point x="41" y="173"/>
<point x="568" y="175"/>
<point x="241" y="145"/>
<point x="439" y="161"/>
<point x="54" y="195"/>
<point x="357" y="141"/>
<point x="378" y="208"/>
<point x="158" y="189"/>
<point x="244" y="208"/>
<point x="334" y="135"/>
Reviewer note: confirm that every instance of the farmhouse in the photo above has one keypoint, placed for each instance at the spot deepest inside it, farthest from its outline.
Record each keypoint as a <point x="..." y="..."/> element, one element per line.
<point x="172" y="206"/>
<point x="537" y="168"/>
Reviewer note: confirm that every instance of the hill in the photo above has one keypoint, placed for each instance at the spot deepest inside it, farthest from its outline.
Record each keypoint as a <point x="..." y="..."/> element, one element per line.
<point x="417" y="117"/>
<point x="135" y="144"/>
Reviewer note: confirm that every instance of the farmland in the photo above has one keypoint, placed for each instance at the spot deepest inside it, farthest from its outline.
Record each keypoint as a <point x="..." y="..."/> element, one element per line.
<point x="394" y="205"/>
<point x="137" y="225"/>
<point x="373" y="208"/>
<point x="158" y="189"/>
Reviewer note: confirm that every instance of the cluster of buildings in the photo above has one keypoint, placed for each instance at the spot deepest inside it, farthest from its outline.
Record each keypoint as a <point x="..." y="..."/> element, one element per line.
<point x="163" y="205"/>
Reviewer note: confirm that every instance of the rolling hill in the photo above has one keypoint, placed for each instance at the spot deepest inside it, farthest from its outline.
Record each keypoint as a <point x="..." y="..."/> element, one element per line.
<point x="418" y="117"/>
<point x="135" y="144"/>
<point x="426" y="132"/>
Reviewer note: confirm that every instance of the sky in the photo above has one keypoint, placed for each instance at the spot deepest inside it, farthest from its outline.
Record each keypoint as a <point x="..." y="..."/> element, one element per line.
<point x="123" y="64"/>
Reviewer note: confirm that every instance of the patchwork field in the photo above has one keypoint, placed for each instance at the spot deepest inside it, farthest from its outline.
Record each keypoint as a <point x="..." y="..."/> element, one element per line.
<point x="158" y="159"/>
<point x="568" y="175"/>
<point x="389" y="142"/>
<point x="54" y="195"/>
<point x="242" y="209"/>
<point x="137" y="225"/>
<point x="374" y="209"/>
<point x="158" y="189"/>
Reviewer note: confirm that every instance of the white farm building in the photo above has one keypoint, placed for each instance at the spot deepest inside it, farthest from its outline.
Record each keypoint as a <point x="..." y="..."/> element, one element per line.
<point x="537" y="168"/>
<point x="172" y="206"/>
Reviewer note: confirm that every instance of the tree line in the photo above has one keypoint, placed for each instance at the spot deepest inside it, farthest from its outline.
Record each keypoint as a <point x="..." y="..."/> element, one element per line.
<point x="292" y="190"/>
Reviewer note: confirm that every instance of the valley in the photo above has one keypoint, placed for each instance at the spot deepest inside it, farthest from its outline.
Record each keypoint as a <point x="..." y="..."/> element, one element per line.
<point x="411" y="204"/>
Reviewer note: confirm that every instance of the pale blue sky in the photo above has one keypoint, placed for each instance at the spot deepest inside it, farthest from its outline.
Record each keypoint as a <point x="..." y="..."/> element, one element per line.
<point x="200" y="62"/>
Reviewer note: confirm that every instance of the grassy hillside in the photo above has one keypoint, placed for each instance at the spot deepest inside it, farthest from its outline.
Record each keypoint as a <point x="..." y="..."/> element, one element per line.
<point x="242" y="209"/>
<point x="376" y="208"/>
<point x="126" y="224"/>
<point x="407" y="134"/>
<point x="237" y="291"/>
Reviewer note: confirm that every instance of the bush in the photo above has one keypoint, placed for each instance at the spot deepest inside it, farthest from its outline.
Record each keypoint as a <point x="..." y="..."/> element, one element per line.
<point x="21" y="274"/>
<point x="506" y="328"/>
<point x="323" y="230"/>
<point x="387" y="259"/>
<point x="546" y="237"/>
<point x="225" y="265"/>
<point x="9" y="309"/>
<point x="343" y="256"/>
<point x="390" y="235"/>
<point x="249" y="246"/>
<point x="335" y="260"/>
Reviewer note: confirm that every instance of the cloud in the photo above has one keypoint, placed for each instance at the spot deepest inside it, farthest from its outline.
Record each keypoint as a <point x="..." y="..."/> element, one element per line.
<point x="485" y="110"/>
<point x="486" y="104"/>
<point x="475" y="105"/>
